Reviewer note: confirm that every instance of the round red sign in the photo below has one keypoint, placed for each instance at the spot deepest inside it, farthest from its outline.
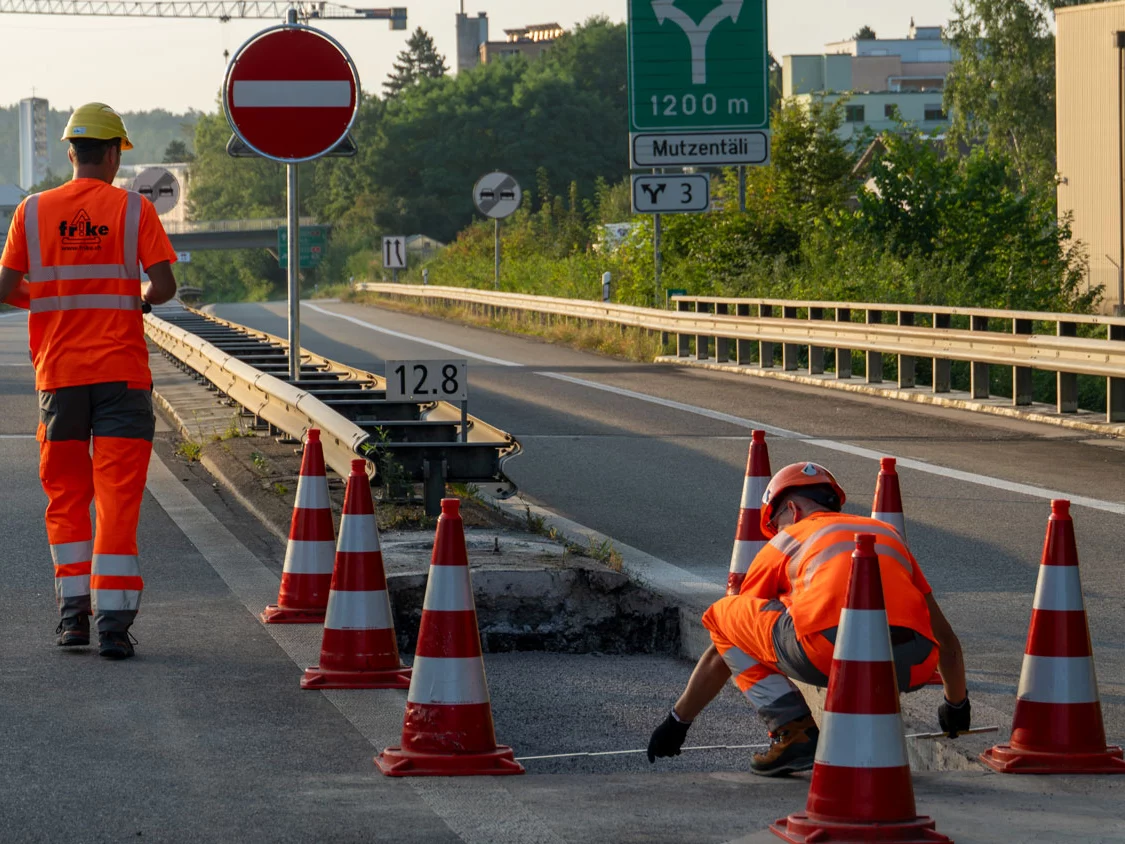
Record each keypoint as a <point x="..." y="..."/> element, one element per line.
<point x="291" y="93"/>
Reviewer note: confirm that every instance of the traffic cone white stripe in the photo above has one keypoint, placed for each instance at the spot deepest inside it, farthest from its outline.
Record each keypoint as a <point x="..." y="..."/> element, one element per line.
<point x="358" y="611"/>
<point x="895" y="520"/>
<point x="448" y="680"/>
<point x="312" y="492"/>
<point x="861" y="741"/>
<point x="753" y="490"/>
<point x="745" y="550"/>
<point x="358" y="534"/>
<point x="1059" y="588"/>
<point x="1058" y="679"/>
<point x="863" y="636"/>
<point x="449" y="590"/>
<point x="302" y="557"/>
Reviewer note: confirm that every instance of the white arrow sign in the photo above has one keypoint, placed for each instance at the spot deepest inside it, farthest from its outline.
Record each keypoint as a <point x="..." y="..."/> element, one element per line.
<point x="698" y="34"/>
<point x="672" y="194"/>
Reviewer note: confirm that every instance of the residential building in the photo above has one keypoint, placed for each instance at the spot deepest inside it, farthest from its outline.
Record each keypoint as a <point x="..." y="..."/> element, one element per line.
<point x="34" y="152"/>
<point x="529" y="41"/>
<point x="10" y="198"/>
<point x="1089" y="56"/>
<point x="885" y="81"/>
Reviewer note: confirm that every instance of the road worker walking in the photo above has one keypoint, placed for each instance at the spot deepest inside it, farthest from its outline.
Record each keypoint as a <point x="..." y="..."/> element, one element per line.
<point x="81" y="247"/>
<point x="784" y="621"/>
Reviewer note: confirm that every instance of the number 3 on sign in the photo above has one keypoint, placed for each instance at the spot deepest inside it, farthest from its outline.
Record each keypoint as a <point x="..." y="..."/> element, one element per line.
<point x="427" y="380"/>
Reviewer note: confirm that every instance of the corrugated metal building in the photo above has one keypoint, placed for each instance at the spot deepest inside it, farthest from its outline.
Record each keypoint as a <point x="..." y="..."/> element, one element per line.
<point x="1090" y="118"/>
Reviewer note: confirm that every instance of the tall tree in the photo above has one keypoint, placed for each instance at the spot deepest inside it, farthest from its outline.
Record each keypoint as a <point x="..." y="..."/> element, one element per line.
<point x="177" y="152"/>
<point x="420" y="60"/>
<point x="865" y="33"/>
<point x="1001" y="90"/>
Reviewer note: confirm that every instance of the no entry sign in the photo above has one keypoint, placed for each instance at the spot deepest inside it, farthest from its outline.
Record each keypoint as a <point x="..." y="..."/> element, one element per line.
<point x="290" y="93"/>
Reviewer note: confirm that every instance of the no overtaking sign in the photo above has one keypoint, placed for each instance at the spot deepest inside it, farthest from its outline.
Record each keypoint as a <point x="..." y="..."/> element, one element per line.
<point x="290" y="93"/>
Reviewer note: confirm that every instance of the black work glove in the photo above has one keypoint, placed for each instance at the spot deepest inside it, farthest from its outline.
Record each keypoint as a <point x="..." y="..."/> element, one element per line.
<point x="146" y="308"/>
<point x="668" y="738"/>
<point x="954" y="718"/>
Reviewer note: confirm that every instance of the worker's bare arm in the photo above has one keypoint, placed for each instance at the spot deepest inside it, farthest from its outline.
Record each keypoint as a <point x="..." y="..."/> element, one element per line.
<point x="707" y="680"/>
<point x="951" y="662"/>
<point x="162" y="284"/>
<point x="9" y="281"/>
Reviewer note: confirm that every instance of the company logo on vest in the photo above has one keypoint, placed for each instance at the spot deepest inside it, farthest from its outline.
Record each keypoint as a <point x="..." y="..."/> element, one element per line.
<point x="82" y="233"/>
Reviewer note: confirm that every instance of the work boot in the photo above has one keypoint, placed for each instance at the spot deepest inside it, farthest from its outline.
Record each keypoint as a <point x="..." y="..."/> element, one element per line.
<point x="73" y="631"/>
<point x="792" y="748"/>
<point x="114" y="644"/>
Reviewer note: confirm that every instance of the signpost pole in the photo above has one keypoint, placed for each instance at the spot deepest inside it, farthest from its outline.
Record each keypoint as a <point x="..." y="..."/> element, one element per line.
<point x="657" y="261"/>
<point x="497" y="283"/>
<point x="294" y="225"/>
<point x="742" y="189"/>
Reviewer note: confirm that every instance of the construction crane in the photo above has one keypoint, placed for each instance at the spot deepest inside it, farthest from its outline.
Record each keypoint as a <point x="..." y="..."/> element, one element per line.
<point x="222" y="10"/>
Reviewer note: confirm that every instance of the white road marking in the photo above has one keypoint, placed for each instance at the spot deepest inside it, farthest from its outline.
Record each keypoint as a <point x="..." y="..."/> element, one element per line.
<point x="750" y="424"/>
<point x="479" y="812"/>
<point x="17" y="436"/>
<point x="20" y="313"/>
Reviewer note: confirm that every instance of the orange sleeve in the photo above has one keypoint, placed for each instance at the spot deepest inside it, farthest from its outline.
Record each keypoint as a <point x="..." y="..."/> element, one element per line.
<point x="15" y="250"/>
<point x="918" y="578"/>
<point x="154" y="246"/>
<point x="763" y="580"/>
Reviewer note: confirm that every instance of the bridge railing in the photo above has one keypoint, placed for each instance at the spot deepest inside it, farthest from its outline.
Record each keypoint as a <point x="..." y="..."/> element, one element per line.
<point x="219" y="226"/>
<point x="819" y="337"/>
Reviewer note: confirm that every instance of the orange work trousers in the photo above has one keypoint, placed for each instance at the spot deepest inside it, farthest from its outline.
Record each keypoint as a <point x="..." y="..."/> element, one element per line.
<point x="96" y="572"/>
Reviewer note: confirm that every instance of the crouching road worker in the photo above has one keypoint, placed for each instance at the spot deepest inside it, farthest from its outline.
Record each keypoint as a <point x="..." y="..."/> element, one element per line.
<point x="783" y="623"/>
<point x="81" y="247"/>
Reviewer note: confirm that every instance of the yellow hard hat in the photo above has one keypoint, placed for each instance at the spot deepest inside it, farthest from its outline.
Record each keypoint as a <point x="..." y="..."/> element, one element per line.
<point x="98" y="122"/>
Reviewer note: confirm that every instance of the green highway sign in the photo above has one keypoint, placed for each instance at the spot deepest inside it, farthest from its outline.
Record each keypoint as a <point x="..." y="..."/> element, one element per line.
<point x="311" y="244"/>
<point x="698" y="82"/>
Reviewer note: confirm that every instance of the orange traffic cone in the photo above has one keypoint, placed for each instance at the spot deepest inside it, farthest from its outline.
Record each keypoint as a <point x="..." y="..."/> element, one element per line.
<point x="887" y="506"/>
<point x="1057" y="727"/>
<point x="748" y="538"/>
<point x="861" y="788"/>
<point x="359" y="650"/>
<point x="447" y="730"/>
<point x="307" y="574"/>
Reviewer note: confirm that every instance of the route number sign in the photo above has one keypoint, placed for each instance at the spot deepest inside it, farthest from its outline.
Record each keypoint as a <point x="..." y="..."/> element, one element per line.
<point x="678" y="193"/>
<point x="427" y="380"/>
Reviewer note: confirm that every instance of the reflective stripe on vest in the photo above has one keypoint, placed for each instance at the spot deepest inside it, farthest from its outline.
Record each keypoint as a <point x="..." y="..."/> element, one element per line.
<point x="86" y="301"/>
<point x="37" y="273"/>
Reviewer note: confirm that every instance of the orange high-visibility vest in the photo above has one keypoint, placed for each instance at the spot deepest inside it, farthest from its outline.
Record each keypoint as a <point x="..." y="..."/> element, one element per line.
<point x="84" y="276"/>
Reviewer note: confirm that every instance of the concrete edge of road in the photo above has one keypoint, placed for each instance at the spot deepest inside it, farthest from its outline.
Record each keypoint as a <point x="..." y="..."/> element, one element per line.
<point x="693" y="596"/>
<point x="1040" y="413"/>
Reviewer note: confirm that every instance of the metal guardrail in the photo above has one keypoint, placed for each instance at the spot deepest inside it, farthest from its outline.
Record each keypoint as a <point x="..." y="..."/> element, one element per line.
<point x="427" y="442"/>
<point x="218" y="226"/>
<point x="747" y="332"/>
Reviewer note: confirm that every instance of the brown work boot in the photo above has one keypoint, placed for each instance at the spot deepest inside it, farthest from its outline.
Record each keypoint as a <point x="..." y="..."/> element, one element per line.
<point x="792" y="748"/>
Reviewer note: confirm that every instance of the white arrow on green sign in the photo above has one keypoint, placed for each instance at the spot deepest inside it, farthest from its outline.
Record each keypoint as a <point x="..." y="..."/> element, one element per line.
<point x="698" y="82"/>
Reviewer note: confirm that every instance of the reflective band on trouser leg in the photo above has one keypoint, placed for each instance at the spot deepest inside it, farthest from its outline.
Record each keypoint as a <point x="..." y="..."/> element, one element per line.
<point x="116" y="583"/>
<point x="73" y="562"/>
<point x="773" y="695"/>
<point x="66" y="475"/>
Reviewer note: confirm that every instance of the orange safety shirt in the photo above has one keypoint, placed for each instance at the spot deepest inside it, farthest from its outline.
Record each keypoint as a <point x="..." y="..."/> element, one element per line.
<point x="807" y="567"/>
<point x="81" y="247"/>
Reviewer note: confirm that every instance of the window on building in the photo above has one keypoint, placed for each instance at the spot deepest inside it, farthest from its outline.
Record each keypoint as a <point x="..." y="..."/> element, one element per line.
<point x="890" y="111"/>
<point x="854" y="114"/>
<point x="934" y="112"/>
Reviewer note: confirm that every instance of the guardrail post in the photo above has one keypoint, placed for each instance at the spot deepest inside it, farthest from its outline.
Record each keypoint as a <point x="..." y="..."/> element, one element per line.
<point x="683" y="341"/>
<point x="874" y="359"/>
<point x="978" y="372"/>
<point x="722" y="344"/>
<point x="843" y="356"/>
<point x="433" y="484"/>
<point x="790" y="352"/>
<point x="765" y="347"/>
<point x="702" y="341"/>
<point x="1067" y="382"/>
<point x="1023" y="382"/>
<point x="905" y="362"/>
<point x="816" y="353"/>
<point x="942" y="376"/>
<point x="742" y="348"/>
<point x="1115" y="387"/>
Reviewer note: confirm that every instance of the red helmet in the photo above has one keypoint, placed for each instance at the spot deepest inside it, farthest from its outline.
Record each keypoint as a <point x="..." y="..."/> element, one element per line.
<point x="792" y="476"/>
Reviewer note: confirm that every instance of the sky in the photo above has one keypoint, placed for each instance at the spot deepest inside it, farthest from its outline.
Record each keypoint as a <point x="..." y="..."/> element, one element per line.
<point x="142" y="63"/>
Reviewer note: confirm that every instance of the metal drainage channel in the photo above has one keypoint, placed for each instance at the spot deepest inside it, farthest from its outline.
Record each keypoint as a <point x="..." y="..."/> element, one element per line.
<point x="429" y="451"/>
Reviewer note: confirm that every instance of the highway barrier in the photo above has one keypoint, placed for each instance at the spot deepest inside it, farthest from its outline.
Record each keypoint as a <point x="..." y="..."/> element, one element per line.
<point x="430" y="443"/>
<point x="819" y="337"/>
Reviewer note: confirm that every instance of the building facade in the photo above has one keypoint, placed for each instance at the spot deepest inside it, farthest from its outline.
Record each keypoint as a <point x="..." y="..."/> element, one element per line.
<point x="529" y="41"/>
<point x="885" y="81"/>
<point x="1090" y="147"/>
<point x="472" y="34"/>
<point x="34" y="152"/>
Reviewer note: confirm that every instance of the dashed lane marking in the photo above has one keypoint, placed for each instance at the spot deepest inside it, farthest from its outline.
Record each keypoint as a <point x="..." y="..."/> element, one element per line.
<point x="478" y="812"/>
<point x="1115" y="507"/>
